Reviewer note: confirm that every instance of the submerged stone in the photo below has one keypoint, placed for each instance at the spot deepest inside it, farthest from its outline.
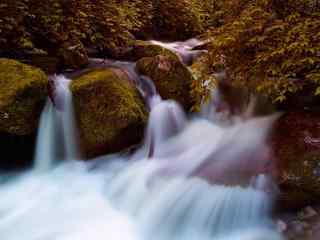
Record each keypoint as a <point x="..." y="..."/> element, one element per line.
<point x="110" y="112"/>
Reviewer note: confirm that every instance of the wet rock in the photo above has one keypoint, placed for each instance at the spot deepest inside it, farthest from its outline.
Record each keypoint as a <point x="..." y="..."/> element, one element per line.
<point x="143" y="49"/>
<point x="23" y="90"/>
<point x="172" y="78"/>
<point x="302" y="224"/>
<point x="110" y="112"/>
<point x="73" y="56"/>
<point x="297" y="148"/>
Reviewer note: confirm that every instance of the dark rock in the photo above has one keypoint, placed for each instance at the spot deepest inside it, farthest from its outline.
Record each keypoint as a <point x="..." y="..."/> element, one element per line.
<point x="297" y="148"/>
<point x="16" y="151"/>
<point x="73" y="56"/>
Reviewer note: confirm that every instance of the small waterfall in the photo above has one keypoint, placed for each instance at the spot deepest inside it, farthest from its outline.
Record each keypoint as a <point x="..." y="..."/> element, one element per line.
<point x="46" y="152"/>
<point x="166" y="120"/>
<point x="57" y="134"/>
<point x="72" y="151"/>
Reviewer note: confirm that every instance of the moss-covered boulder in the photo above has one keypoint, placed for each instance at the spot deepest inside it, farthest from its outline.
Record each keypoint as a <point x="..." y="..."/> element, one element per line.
<point x="172" y="78"/>
<point x="23" y="90"/>
<point x="297" y="149"/>
<point x="143" y="49"/>
<point x="110" y="112"/>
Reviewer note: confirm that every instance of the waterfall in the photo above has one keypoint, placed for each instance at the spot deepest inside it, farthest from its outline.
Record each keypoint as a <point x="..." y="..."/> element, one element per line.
<point x="57" y="134"/>
<point x="46" y="152"/>
<point x="72" y="151"/>
<point x="192" y="179"/>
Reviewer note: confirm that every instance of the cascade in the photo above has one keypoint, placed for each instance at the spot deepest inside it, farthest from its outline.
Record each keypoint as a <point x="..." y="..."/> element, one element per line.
<point x="192" y="179"/>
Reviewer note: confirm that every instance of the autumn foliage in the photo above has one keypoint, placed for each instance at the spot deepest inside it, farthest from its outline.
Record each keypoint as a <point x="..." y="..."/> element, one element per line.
<point x="109" y="26"/>
<point x="269" y="46"/>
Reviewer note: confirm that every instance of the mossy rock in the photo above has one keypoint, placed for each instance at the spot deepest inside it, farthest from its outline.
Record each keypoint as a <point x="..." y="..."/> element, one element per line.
<point x="110" y="112"/>
<point x="143" y="49"/>
<point x="172" y="78"/>
<point x="23" y="91"/>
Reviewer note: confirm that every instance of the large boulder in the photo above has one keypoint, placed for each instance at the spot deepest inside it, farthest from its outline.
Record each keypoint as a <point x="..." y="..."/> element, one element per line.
<point x="297" y="148"/>
<point x="171" y="77"/>
<point x="23" y="90"/>
<point x="110" y="112"/>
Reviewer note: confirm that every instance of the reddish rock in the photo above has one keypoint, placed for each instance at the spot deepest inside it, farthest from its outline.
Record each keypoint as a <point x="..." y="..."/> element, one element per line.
<point x="297" y="149"/>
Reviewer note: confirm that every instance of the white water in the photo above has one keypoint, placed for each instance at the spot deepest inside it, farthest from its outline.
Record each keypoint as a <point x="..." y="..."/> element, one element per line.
<point x="57" y="134"/>
<point x="185" y="50"/>
<point x="187" y="187"/>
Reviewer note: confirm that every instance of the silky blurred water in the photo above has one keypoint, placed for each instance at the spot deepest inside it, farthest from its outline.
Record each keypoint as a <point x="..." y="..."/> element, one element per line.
<point x="192" y="179"/>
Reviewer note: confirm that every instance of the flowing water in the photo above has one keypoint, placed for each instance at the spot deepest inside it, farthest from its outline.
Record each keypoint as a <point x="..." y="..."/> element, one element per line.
<point x="57" y="126"/>
<point x="185" y="50"/>
<point x="192" y="179"/>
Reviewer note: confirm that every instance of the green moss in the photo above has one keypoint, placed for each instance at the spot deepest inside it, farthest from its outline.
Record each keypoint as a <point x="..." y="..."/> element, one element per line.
<point x="109" y="109"/>
<point x="171" y="77"/>
<point x="23" y="90"/>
